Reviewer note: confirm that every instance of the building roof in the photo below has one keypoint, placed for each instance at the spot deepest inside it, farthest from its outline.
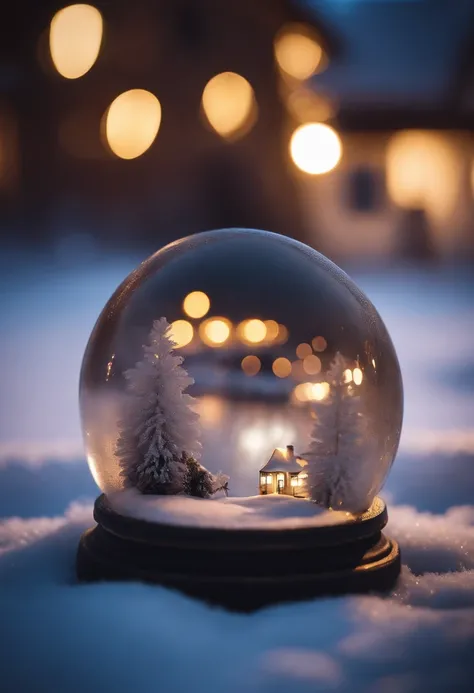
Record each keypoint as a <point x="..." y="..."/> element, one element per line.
<point x="284" y="460"/>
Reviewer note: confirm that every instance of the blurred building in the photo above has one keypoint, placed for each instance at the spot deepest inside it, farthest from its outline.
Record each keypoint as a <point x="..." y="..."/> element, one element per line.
<point x="348" y="125"/>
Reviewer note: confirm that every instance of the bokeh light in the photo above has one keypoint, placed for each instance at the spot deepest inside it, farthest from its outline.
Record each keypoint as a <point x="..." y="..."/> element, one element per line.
<point x="196" y="304"/>
<point x="253" y="331"/>
<point x="303" y="350"/>
<point x="251" y="365"/>
<point x="297" y="53"/>
<point x="281" y="367"/>
<point x="75" y="36"/>
<point x="348" y="375"/>
<point x="311" y="392"/>
<point x="228" y="102"/>
<point x="215" y="331"/>
<point x="181" y="332"/>
<point x="357" y="376"/>
<point x="312" y="364"/>
<point x="283" y="334"/>
<point x="315" y="148"/>
<point x="423" y="172"/>
<point x="132" y="123"/>
<point x="272" y="330"/>
<point x="319" y="344"/>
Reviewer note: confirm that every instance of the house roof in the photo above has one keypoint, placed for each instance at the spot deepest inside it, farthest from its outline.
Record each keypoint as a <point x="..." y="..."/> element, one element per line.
<point x="283" y="460"/>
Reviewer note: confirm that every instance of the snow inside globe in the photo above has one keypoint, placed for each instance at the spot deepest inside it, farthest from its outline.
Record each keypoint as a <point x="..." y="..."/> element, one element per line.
<point x="239" y="379"/>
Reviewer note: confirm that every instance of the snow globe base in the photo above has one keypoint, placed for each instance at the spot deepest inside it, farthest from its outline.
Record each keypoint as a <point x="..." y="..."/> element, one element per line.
<point x="242" y="569"/>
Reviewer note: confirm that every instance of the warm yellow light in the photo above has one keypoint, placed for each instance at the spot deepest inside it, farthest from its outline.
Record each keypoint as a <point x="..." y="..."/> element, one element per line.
<point x="196" y="304"/>
<point x="319" y="344"/>
<point x="296" y="52"/>
<point x="315" y="148"/>
<point x="251" y="365"/>
<point x="281" y="367"/>
<point x="373" y="363"/>
<point x="312" y="364"/>
<point x="283" y="334"/>
<point x="294" y="481"/>
<point x="347" y="375"/>
<point x="319" y="391"/>
<point x="423" y="172"/>
<point x="303" y="350"/>
<point x="228" y="103"/>
<point x="357" y="376"/>
<point x="254" y="331"/>
<point x="132" y="123"/>
<point x="75" y="35"/>
<point x="181" y="332"/>
<point x="272" y="330"/>
<point x="215" y="331"/>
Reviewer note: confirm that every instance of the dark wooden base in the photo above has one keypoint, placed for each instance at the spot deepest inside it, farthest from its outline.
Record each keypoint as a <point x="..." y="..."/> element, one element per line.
<point x="242" y="570"/>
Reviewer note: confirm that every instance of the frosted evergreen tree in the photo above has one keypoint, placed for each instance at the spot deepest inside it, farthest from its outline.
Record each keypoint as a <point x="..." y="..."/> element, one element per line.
<point x="159" y="433"/>
<point x="336" y="476"/>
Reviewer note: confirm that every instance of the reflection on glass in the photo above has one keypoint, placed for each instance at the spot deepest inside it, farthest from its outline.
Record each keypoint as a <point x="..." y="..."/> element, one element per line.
<point x="181" y="332"/>
<point x="215" y="331"/>
<point x="196" y="304"/>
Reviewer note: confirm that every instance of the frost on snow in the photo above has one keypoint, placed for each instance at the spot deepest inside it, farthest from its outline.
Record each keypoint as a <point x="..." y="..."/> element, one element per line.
<point x="158" y="446"/>
<point x="335" y="478"/>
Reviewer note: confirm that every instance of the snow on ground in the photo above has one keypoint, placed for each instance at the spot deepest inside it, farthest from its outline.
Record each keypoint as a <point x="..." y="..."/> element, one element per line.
<point x="58" y="636"/>
<point x="251" y="512"/>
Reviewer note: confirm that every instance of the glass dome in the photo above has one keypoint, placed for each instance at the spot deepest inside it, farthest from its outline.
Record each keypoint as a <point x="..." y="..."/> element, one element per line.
<point x="296" y="382"/>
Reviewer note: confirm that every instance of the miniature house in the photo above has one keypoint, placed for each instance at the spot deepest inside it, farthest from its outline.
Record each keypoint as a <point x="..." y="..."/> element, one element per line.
<point x="284" y="473"/>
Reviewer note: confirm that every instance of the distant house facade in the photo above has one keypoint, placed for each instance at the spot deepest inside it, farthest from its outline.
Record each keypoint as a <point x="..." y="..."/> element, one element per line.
<point x="284" y="473"/>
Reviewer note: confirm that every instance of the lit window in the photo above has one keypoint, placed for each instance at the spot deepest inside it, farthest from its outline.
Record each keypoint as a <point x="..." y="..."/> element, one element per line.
<point x="269" y="479"/>
<point x="294" y="481"/>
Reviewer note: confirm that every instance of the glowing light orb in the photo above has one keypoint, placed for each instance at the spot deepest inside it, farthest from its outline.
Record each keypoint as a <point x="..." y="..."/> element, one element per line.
<point x="132" y="123"/>
<point x="75" y="36"/>
<point x="297" y="53"/>
<point x="315" y="148"/>
<point x="254" y="331"/>
<point x="281" y="367"/>
<point x="251" y="365"/>
<point x="181" y="332"/>
<point x="228" y="103"/>
<point x="215" y="331"/>
<point x="196" y="304"/>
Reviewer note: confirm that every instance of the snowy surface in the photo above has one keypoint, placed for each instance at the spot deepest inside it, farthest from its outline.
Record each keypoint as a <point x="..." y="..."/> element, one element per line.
<point x="251" y="512"/>
<point x="58" y="636"/>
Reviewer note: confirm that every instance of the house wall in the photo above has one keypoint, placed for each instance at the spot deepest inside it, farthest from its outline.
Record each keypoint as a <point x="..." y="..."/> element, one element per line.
<point x="429" y="170"/>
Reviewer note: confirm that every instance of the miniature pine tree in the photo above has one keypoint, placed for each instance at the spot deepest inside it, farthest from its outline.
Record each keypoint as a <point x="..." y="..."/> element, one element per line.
<point x="335" y="478"/>
<point x="159" y="431"/>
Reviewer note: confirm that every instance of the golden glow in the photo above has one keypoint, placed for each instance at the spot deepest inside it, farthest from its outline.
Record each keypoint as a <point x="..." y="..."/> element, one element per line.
<point x="281" y="367"/>
<point x="181" y="332"/>
<point x="263" y="480"/>
<point x="304" y="105"/>
<point x="228" y="103"/>
<point x="312" y="364"/>
<point x="251" y="365"/>
<point x="132" y="122"/>
<point x="423" y="171"/>
<point x="347" y="375"/>
<point x="373" y="363"/>
<point x="75" y="35"/>
<point x="210" y="410"/>
<point x="254" y="331"/>
<point x="294" y="481"/>
<point x="311" y="392"/>
<point x="196" y="304"/>
<point x="283" y="334"/>
<point x="296" y="52"/>
<point x="319" y="344"/>
<point x="315" y="148"/>
<point x="357" y="376"/>
<point x="272" y="330"/>
<point x="303" y="350"/>
<point x="215" y="331"/>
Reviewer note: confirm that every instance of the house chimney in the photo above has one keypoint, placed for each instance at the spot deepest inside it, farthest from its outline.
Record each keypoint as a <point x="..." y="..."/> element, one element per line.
<point x="290" y="450"/>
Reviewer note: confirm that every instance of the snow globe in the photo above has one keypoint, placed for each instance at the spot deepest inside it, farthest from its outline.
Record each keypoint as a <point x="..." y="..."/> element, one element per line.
<point x="241" y="404"/>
